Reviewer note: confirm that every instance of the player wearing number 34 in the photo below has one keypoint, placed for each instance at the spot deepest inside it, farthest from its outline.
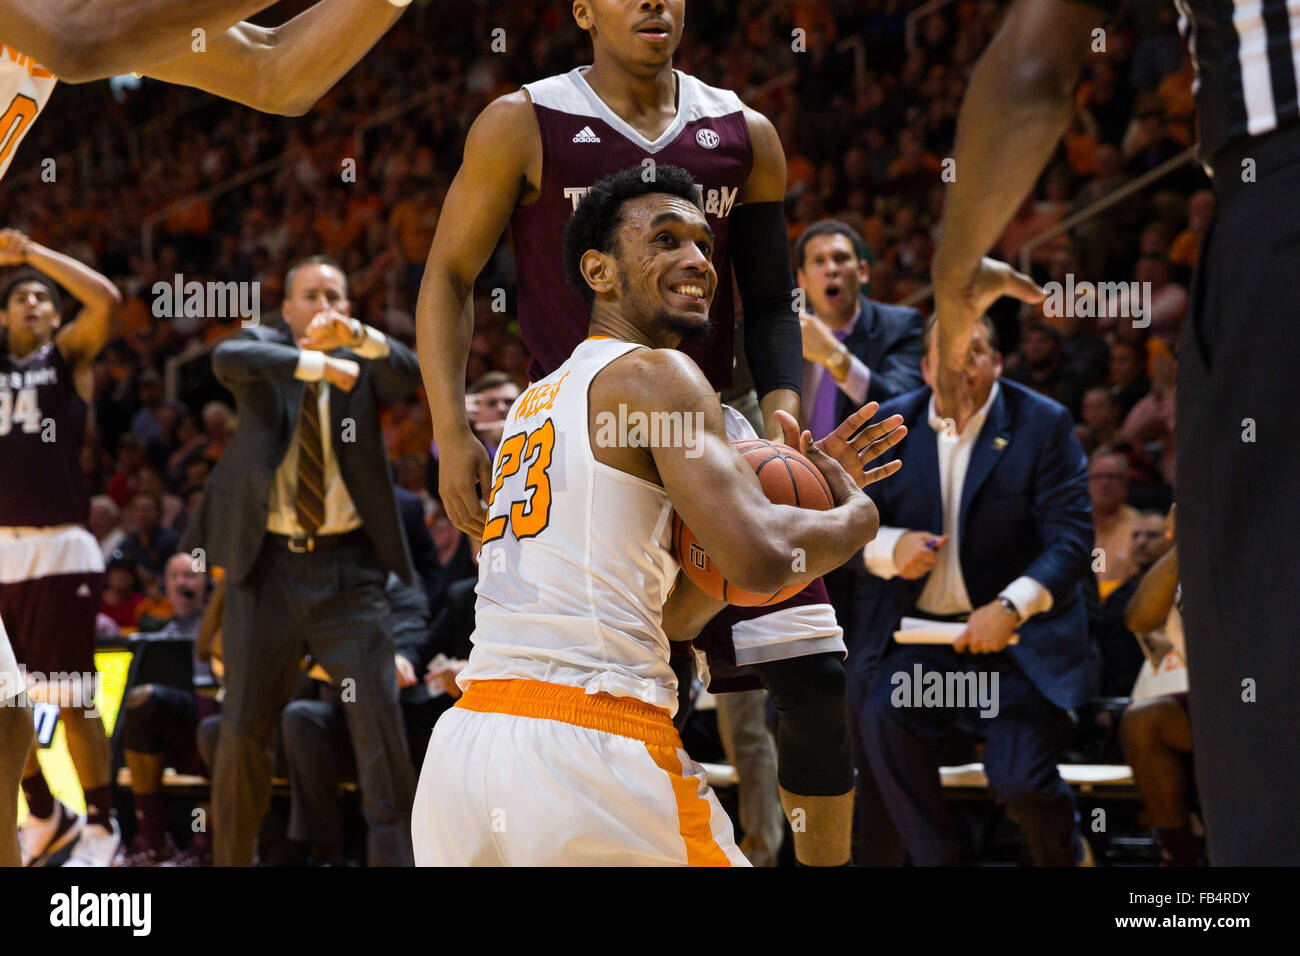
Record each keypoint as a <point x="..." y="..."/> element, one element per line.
<point x="51" y="569"/>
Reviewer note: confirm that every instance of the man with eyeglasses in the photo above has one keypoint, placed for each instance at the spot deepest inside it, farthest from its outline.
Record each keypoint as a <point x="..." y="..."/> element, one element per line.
<point x="1112" y="517"/>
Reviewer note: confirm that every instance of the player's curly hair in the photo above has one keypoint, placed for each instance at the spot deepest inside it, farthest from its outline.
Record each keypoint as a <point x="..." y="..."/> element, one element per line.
<point x="594" y="224"/>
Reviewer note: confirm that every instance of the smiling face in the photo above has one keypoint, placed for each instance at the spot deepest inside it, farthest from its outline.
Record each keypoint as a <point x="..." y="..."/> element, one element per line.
<point x="642" y="33"/>
<point x="30" y="317"/>
<point x="832" y="275"/>
<point x="660" y="273"/>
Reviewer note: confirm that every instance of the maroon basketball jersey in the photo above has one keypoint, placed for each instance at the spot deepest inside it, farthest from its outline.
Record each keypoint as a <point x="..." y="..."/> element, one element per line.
<point x="583" y="140"/>
<point x="42" y="429"/>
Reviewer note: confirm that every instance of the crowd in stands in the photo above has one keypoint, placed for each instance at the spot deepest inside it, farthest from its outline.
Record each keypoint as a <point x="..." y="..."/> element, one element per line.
<point x="866" y="122"/>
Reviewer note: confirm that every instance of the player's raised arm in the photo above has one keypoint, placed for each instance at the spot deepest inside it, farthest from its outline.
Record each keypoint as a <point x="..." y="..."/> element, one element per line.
<point x="81" y="338"/>
<point x="760" y="255"/>
<point x="83" y="40"/>
<point x="1021" y="92"/>
<point x="284" y="69"/>
<point x="752" y="541"/>
<point x="498" y="151"/>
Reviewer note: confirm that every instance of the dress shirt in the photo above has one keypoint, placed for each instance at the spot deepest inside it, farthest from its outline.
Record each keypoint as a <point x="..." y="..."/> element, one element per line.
<point x="341" y="513"/>
<point x="945" y="589"/>
<point x="821" y="384"/>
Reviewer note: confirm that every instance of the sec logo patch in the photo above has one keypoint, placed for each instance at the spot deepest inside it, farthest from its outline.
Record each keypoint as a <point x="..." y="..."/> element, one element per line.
<point x="707" y="138"/>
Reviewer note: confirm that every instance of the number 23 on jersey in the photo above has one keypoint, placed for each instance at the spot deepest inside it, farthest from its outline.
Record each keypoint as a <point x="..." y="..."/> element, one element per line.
<point x="529" y="514"/>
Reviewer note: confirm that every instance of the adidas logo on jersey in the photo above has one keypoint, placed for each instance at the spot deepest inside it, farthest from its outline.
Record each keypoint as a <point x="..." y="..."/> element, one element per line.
<point x="586" y="136"/>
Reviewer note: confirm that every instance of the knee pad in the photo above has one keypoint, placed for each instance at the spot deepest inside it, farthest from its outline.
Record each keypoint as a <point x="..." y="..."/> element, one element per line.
<point x="812" y="730"/>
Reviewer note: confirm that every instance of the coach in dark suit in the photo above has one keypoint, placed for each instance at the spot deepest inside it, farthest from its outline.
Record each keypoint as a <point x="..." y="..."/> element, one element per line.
<point x="855" y="350"/>
<point x="991" y="528"/>
<point x="300" y="512"/>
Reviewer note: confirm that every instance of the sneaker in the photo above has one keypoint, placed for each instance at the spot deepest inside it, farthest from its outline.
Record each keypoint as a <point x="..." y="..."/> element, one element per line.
<point x="137" y="854"/>
<point x="97" y="846"/>
<point x="41" y="839"/>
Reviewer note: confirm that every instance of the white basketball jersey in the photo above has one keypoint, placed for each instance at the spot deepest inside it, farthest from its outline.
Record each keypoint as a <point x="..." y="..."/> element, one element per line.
<point x="576" y="561"/>
<point x="25" y="87"/>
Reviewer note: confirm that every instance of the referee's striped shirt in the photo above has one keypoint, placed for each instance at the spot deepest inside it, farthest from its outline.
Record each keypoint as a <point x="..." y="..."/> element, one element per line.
<point x="1247" y="56"/>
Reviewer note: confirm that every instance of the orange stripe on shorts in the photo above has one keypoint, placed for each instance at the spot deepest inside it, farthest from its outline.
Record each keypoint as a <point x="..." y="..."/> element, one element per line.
<point x="693" y="811"/>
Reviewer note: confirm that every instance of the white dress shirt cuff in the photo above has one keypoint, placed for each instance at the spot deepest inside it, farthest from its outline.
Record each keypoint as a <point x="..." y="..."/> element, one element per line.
<point x="857" y="380"/>
<point x="1029" y="596"/>
<point x="374" y="345"/>
<point x="311" y="366"/>
<point x="878" y="555"/>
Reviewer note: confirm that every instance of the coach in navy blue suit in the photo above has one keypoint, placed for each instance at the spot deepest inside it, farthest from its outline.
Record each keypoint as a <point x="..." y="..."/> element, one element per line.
<point x="855" y="350"/>
<point x="990" y="525"/>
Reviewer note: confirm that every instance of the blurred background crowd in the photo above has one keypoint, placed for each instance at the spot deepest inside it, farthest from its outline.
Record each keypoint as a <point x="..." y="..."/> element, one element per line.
<point x="865" y="107"/>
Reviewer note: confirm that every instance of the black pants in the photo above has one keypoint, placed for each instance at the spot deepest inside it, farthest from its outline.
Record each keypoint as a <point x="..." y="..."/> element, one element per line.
<point x="1024" y="733"/>
<point x="1238" y="515"/>
<point x="330" y="603"/>
<point x="319" y="756"/>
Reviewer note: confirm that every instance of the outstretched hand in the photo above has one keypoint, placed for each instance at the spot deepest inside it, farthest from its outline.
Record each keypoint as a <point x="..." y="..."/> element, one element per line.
<point x="959" y="301"/>
<point x="855" y="444"/>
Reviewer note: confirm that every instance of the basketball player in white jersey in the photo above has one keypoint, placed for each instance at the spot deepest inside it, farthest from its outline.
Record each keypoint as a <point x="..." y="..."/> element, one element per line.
<point x="199" y="43"/>
<point x="280" y="70"/>
<point x="562" y="750"/>
<point x="529" y="156"/>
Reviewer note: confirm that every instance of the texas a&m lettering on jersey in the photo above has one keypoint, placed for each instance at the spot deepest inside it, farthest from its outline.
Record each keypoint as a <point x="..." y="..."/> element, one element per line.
<point x="42" y="429"/>
<point x="583" y="140"/>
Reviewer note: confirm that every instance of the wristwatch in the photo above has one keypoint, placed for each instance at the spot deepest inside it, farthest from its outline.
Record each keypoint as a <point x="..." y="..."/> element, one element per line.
<point x="1010" y="605"/>
<point x="840" y="362"/>
<point x="358" y="333"/>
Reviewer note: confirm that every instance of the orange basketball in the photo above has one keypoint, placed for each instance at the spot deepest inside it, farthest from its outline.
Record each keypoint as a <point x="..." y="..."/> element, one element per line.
<point x="788" y="478"/>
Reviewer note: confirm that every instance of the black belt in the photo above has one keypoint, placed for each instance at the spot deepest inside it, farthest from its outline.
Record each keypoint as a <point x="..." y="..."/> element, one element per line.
<point x="306" y="544"/>
<point x="960" y="617"/>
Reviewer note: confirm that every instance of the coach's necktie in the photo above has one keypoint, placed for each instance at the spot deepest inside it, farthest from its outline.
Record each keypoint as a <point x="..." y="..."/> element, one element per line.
<point x="309" y="501"/>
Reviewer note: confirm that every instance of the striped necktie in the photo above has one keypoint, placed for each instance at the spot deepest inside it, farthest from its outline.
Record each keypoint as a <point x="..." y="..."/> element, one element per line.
<point x="309" y="501"/>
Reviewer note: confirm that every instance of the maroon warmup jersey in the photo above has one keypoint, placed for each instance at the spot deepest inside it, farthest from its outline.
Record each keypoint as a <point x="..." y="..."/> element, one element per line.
<point x="583" y="140"/>
<point x="42" y="429"/>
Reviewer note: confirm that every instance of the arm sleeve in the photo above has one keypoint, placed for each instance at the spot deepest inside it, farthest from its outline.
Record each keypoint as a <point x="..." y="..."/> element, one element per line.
<point x="1062" y="513"/>
<point x="760" y="256"/>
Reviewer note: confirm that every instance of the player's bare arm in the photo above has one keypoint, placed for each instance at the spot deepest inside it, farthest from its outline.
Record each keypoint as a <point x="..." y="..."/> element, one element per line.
<point x="1155" y="594"/>
<point x="83" y="40"/>
<point x="716" y="492"/>
<point x="500" y="169"/>
<point x="81" y="339"/>
<point x="284" y="69"/>
<point x="766" y="184"/>
<point x="854" y="445"/>
<point x="1021" y="92"/>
